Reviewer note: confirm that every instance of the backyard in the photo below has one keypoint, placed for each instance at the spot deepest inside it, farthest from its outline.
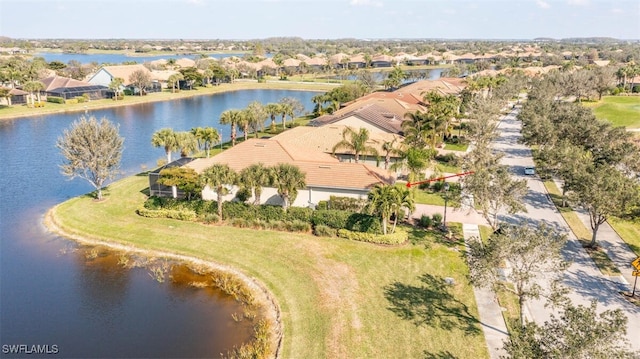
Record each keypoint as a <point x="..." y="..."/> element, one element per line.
<point x="338" y="298"/>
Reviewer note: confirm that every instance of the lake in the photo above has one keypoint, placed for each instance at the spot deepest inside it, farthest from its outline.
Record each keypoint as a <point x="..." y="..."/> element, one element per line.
<point x="55" y="292"/>
<point x="120" y="58"/>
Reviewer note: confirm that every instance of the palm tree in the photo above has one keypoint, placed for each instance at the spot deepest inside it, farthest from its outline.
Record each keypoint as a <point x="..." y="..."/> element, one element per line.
<point x="415" y="131"/>
<point x="245" y="118"/>
<point x="254" y="178"/>
<point x="356" y="142"/>
<point x="231" y="117"/>
<point x="219" y="177"/>
<point x="174" y="80"/>
<point x="258" y="115"/>
<point x="31" y="87"/>
<point x="116" y="86"/>
<point x="287" y="179"/>
<point x="165" y="138"/>
<point x="285" y="110"/>
<point x="293" y="107"/>
<point x="389" y="200"/>
<point x="209" y="136"/>
<point x="415" y="160"/>
<point x="389" y="148"/>
<point x="186" y="142"/>
<point x="6" y="93"/>
<point x="273" y="109"/>
<point x="395" y="77"/>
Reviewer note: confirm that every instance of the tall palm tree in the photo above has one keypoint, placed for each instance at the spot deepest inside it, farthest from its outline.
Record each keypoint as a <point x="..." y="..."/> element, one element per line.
<point x="209" y="136"/>
<point x="116" y="86"/>
<point x="273" y="109"/>
<point x="174" y="80"/>
<point x="244" y="119"/>
<point x="285" y="110"/>
<point x="356" y="142"/>
<point x="6" y="93"/>
<point x="254" y="178"/>
<point x="31" y="87"/>
<point x="389" y="200"/>
<point x="219" y="177"/>
<point x="258" y="116"/>
<point x="287" y="179"/>
<point x="231" y="117"/>
<point x="186" y="142"/>
<point x="389" y="148"/>
<point x="414" y="128"/>
<point x="166" y="138"/>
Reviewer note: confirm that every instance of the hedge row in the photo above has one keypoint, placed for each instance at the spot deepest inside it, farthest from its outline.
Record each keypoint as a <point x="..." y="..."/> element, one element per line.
<point x="183" y="215"/>
<point x="398" y="237"/>
<point x="55" y="99"/>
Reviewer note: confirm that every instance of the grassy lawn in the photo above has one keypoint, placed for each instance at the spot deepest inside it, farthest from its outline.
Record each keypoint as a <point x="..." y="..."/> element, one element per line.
<point x="23" y="110"/>
<point x="339" y="298"/>
<point x="629" y="231"/>
<point x="456" y="146"/>
<point x="424" y="197"/>
<point x="582" y="233"/>
<point x="619" y="110"/>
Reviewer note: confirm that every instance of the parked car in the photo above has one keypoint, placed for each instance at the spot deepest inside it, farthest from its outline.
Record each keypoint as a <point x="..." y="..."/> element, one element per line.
<point x="529" y="171"/>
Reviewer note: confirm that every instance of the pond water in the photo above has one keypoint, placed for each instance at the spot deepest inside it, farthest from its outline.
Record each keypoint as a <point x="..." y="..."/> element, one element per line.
<point x="53" y="292"/>
<point x="119" y="58"/>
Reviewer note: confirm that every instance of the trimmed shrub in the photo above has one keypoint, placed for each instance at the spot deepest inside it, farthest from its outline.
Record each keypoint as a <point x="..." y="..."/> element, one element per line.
<point x="398" y="237"/>
<point x="243" y="194"/>
<point x="80" y="99"/>
<point x="436" y="219"/>
<point x="299" y="214"/>
<point x="240" y="223"/>
<point x="322" y="206"/>
<point x="425" y="221"/>
<point x="55" y="99"/>
<point x="270" y="213"/>
<point x="331" y="218"/>
<point x="210" y="218"/>
<point x="183" y="215"/>
<point x="325" y="231"/>
<point x="71" y="101"/>
<point x="346" y="203"/>
<point x="232" y="210"/>
<point x="361" y="222"/>
<point x="38" y="104"/>
<point x="298" y="226"/>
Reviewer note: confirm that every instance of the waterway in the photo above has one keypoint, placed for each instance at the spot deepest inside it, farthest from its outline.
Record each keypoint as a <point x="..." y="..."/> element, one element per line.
<point x="54" y="292"/>
<point x="120" y="58"/>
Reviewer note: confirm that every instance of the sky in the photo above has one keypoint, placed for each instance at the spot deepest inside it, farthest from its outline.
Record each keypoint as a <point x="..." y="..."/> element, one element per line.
<point x="319" y="19"/>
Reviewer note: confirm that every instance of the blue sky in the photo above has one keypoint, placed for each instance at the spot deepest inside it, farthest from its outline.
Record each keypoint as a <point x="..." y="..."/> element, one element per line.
<point x="317" y="19"/>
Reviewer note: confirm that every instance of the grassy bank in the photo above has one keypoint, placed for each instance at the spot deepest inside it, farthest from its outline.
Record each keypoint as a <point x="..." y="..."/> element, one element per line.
<point x="49" y="108"/>
<point x="339" y="299"/>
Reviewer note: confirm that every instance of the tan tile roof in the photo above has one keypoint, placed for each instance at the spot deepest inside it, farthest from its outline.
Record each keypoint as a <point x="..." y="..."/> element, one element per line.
<point x="325" y="137"/>
<point x="185" y="62"/>
<point x="56" y="82"/>
<point x="162" y="75"/>
<point x="445" y="85"/>
<point x="291" y="63"/>
<point x="125" y="71"/>
<point x="316" y="61"/>
<point x="369" y="112"/>
<point x="321" y="170"/>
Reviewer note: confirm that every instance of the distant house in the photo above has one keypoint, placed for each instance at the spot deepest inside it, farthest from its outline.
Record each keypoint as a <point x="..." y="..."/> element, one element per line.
<point x="106" y="74"/>
<point x="325" y="176"/>
<point x="16" y="96"/>
<point x="383" y="61"/>
<point x="68" y="88"/>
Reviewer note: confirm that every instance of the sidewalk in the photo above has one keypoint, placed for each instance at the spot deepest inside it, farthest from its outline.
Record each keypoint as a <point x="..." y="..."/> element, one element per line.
<point x="491" y="320"/>
<point x="617" y="250"/>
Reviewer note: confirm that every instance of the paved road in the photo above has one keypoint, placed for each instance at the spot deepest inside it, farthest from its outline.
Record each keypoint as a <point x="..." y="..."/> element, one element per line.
<point x="583" y="278"/>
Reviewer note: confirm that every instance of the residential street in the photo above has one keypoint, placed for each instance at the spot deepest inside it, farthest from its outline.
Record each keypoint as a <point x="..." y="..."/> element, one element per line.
<point x="582" y="277"/>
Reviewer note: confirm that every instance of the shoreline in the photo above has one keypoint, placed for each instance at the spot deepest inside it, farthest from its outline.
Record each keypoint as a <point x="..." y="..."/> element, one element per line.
<point x="239" y="85"/>
<point x="266" y="299"/>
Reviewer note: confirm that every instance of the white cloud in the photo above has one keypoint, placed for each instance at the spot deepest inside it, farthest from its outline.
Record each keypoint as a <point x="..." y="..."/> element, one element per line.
<point x="374" y="3"/>
<point x="543" y="4"/>
<point x="617" y="11"/>
<point x="195" y="2"/>
<point x="578" y="2"/>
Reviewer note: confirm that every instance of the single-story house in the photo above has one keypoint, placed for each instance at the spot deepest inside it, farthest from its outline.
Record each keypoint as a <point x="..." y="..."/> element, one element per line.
<point x="325" y="175"/>
<point x="106" y="74"/>
<point x="68" y="88"/>
<point x="370" y="115"/>
<point x="16" y="97"/>
<point x="324" y="138"/>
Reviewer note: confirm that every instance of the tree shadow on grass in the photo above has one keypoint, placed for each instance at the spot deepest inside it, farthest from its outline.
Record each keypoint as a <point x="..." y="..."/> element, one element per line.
<point x="430" y="303"/>
<point x="439" y="355"/>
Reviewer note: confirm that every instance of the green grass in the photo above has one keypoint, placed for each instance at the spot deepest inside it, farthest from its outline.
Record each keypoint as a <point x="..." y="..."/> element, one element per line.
<point x="629" y="231"/>
<point x="424" y="197"/>
<point x="338" y="298"/>
<point x="619" y="110"/>
<point x="445" y="168"/>
<point x="509" y="301"/>
<point x="582" y="233"/>
<point x="456" y="146"/>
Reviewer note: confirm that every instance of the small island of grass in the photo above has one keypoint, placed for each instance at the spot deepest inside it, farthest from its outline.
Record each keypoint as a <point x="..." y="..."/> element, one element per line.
<point x="338" y="298"/>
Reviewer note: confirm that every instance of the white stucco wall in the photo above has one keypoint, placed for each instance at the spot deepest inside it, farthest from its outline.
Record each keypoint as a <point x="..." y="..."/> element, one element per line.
<point x="305" y="196"/>
<point x="101" y="77"/>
